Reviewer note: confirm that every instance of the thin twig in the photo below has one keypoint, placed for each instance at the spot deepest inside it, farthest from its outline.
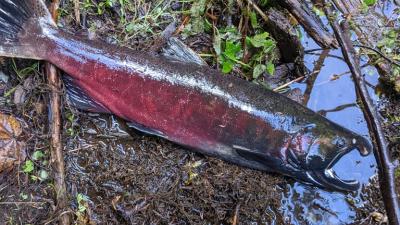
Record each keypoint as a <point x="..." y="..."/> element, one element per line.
<point x="329" y="55"/>
<point x="57" y="158"/>
<point x="380" y="53"/>
<point x="236" y="216"/>
<point x="288" y="83"/>
<point x="259" y="11"/>
<point x="22" y="203"/>
<point x="386" y="166"/>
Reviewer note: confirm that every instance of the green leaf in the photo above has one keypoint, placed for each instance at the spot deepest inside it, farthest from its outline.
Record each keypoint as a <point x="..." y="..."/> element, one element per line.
<point x="43" y="175"/>
<point x="269" y="44"/>
<point x="258" y="70"/>
<point x="197" y="10"/>
<point x="28" y="166"/>
<point x="270" y="68"/>
<point x="231" y="49"/>
<point x="81" y="199"/>
<point x="130" y="27"/>
<point x="227" y="66"/>
<point x="370" y="2"/>
<point x="37" y="155"/>
<point x="253" y="20"/>
<point x="259" y="40"/>
<point x="317" y="11"/>
<point x="23" y="196"/>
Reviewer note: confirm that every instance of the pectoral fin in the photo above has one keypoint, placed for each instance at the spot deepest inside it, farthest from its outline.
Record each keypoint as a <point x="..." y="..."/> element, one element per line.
<point x="79" y="99"/>
<point x="145" y="129"/>
<point x="256" y="156"/>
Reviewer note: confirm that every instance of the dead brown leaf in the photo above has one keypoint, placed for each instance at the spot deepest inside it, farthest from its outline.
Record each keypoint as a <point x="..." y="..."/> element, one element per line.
<point x="12" y="151"/>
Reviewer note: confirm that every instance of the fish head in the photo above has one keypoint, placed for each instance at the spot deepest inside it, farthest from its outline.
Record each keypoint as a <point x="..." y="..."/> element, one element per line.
<point x="313" y="151"/>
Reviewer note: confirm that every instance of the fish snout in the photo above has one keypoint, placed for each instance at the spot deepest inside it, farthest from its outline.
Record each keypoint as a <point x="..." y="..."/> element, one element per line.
<point x="363" y="145"/>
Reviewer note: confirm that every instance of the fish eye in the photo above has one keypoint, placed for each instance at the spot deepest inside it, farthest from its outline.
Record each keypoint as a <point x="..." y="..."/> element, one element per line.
<point x="339" y="142"/>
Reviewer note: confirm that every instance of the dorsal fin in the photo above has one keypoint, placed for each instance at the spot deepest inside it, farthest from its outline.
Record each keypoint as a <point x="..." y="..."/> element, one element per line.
<point x="177" y="50"/>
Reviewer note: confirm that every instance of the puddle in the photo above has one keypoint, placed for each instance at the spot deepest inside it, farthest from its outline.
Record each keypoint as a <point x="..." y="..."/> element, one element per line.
<point x="303" y="204"/>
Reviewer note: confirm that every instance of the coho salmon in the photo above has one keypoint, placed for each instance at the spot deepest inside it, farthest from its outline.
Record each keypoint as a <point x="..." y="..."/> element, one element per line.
<point x="189" y="104"/>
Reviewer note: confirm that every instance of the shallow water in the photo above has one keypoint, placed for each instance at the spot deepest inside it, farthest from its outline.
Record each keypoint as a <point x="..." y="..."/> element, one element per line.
<point x="303" y="204"/>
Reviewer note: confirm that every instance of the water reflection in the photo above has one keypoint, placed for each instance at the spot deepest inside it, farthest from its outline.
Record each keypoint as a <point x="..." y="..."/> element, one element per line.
<point x="336" y="98"/>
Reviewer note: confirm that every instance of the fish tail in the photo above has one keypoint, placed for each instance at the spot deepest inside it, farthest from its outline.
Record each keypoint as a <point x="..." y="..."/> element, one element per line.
<point x="22" y="28"/>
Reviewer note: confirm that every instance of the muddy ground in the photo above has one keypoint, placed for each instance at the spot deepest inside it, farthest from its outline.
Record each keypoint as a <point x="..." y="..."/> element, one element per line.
<point x="116" y="175"/>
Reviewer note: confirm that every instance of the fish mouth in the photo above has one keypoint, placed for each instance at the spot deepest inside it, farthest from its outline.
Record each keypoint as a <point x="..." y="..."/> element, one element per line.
<point x="327" y="178"/>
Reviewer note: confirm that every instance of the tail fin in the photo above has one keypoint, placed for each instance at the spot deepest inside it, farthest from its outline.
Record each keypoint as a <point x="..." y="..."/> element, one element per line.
<point x="21" y="24"/>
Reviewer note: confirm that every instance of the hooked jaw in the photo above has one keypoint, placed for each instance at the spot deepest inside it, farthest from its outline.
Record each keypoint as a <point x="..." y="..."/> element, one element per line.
<point x="327" y="178"/>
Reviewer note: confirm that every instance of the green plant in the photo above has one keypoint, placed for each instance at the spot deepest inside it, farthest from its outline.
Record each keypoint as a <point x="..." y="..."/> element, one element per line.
<point x="397" y="173"/>
<point x="28" y="167"/>
<point x="23" y="196"/>
<point x="71" y="124"/>
<point x="229" y="49"/>
<point x="81" y="212"/>
<point x="369" y="2"/>
<point x="22" y="73"/>
<point x="82" y="200"/>
<point x="260" y="61"/>
<point x="37" y="155"/>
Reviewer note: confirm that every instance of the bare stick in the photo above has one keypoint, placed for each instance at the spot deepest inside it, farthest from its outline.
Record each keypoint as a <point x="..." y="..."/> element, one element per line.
<point x="289" y="83"/>
<point x="57" y="158"/>
<point x="386" y="166"/>
<point x="259" y="11"/>
<point x="309" y="23"/>
<point x="235" y="219"/>
<point x="77" y="12"/>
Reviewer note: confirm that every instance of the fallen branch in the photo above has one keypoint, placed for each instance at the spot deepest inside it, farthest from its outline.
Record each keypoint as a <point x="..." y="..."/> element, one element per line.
<point x="386" y="166"/>
<point x="305" y="17"/>
<point x="57" y="158"/>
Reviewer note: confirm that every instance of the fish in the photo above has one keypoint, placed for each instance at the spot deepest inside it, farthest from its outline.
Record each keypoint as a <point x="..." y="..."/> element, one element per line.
<point x="187" y="103"/>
